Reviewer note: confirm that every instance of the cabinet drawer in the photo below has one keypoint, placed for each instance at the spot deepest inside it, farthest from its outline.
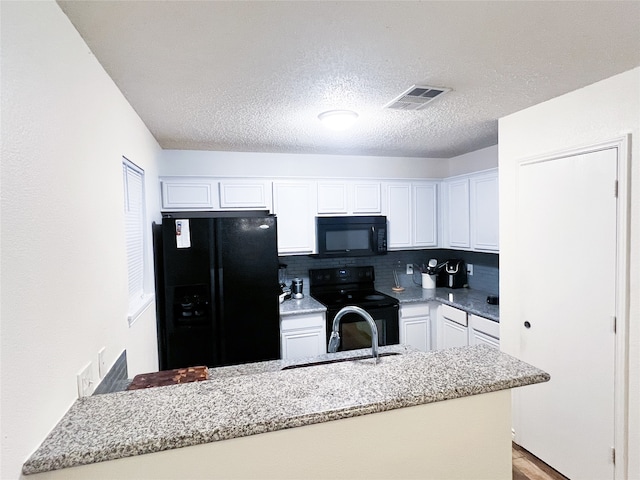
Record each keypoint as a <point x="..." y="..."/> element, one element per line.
<point x="485" y="326"/>
<point x="414" y="310"/>
<point x="302" y="321"/>
<point x="455" y="315"/>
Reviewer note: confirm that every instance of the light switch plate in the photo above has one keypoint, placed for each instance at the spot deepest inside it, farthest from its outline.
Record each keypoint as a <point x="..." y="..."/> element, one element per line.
<point x="102" y="363"/>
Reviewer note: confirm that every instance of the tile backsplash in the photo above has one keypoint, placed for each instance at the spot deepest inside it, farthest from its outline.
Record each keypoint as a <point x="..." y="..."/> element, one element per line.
<point x="485" y="266"/>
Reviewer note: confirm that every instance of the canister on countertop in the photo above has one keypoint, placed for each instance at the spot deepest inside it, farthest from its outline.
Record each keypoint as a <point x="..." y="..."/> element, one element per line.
<point x="296" y="288"/>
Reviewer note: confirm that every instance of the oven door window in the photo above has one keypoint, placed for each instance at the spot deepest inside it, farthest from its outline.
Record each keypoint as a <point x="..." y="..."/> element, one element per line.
<point x="357" y="334"/>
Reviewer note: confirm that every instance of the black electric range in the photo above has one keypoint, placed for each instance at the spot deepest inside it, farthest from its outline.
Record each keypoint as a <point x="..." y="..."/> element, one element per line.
<point x="339" y="287"/>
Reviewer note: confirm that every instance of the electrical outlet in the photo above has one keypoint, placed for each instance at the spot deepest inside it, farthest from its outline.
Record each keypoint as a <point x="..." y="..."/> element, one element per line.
<point x="409" y="268"/>
<point x="469" y="269"/>
<point x="85" y="381"/>
<point x="102" y="363"/>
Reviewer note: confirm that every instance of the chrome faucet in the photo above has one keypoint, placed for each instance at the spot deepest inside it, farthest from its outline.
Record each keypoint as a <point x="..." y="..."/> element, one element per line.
<point x="334" y="340"/>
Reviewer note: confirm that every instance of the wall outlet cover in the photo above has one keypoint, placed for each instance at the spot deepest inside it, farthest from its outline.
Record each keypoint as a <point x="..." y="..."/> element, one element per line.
<point x="469" y="269"/>
<point x="85" y="381"/>
<point x="409" y="268"/>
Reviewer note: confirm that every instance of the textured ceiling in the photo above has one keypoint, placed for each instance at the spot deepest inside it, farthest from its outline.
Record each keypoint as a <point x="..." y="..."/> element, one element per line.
<point x="254" y="75"/>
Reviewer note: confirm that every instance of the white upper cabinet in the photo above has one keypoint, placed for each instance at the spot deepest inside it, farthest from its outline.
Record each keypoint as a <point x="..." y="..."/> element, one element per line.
<point x="294" y="203"/>
<point x="484" y="211"/>
<point x="459" y="212"/>
<point x="206" y="193"/>
<point x="366" y="198"/>
<point x="425" y="214"/>
<point x="332" y="198"/>
<point x="245" y="194"/>
<point x="346" y="197"/>
<point x="456" y="213"/>
<point x="412" y="212"/>
<point x="470" y="211"/>
<point x="398" y="211"/>
<point x="180" y="193"/>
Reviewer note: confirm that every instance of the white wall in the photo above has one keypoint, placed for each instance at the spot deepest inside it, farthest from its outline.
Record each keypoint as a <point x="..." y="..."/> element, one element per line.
<point x="191" y="162"/>
<point x="602" y="111"/>
<point x="483" y="159"/>
<point x="65" y="128"/>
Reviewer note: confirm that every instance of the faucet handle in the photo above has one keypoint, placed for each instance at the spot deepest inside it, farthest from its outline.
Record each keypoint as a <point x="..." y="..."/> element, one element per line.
<point x="334" y="342"/>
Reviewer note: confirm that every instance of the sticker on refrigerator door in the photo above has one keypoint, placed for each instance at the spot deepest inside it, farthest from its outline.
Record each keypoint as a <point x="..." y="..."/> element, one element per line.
<point x="183" y="235"/>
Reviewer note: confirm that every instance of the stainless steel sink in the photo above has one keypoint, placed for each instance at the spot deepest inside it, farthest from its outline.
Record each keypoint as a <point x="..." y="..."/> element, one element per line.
<point x="337" y="360"/>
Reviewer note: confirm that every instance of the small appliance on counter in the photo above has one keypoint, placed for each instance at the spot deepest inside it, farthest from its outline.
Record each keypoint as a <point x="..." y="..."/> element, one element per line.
<point x="430" y="273"/>
<point x="453" y="275"/>
<point x="296" y="288"/>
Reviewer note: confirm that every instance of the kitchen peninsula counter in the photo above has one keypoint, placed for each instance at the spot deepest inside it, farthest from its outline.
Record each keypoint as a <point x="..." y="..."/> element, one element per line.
<point x="469" y="300"/>
<point x="257" y="398"/>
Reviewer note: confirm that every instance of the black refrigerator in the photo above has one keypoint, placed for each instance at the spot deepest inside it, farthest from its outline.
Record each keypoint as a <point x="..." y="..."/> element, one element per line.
<point x="217" y="288"/>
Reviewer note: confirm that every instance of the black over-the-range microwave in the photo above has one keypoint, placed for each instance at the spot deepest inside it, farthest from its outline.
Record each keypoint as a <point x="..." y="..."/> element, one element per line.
<point x="351" y="236"/>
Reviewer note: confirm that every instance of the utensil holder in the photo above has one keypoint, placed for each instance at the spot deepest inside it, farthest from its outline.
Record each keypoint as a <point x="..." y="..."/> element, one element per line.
<point x="428" y="281"/>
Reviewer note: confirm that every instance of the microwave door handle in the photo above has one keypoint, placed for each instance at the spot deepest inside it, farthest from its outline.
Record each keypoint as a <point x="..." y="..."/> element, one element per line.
<point x="373" y="238"/>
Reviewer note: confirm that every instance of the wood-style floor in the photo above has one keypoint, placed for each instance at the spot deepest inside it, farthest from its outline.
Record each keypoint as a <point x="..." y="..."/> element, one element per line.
<point x="528" y="467"/>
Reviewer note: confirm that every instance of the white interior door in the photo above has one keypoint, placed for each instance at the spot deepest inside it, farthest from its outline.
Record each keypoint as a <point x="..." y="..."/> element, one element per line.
<point x="567" y="284"/>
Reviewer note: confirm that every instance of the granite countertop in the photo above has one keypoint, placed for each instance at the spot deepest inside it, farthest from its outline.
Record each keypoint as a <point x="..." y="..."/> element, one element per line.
<point x="257" y="398"/>
<point x="300" y="306"/>
<point x="471" y="301"/>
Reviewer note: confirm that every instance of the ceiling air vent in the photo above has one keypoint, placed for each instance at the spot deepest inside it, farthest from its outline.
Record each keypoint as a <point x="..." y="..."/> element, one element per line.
<point x="416" y="98"/>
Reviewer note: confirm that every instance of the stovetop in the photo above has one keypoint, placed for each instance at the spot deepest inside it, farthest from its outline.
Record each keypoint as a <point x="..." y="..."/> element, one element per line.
<point x="360" y="298"/>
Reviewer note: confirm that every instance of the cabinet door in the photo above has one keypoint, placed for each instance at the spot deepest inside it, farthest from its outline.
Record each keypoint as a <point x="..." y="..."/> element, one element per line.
<point x="415" y="326"/>
<point x="303" y="335"/>
<point x="453" y="334"/>
<point x="425" y="215"/>
<point x="332" y="197"/>
<point x="295" y="206"/>
<point x="457" y="213"/>
<point x="479" y="338"/>
<point x="245" y="194"/>
<point x="365" y="198"/>
<point x="452" y="327"/>
<point x="307" y="342"/>
<point x="183" y="194"/>
<point x="484" y="212"/>
<point x="398" y="210"/>
<point x="415" y="332"/>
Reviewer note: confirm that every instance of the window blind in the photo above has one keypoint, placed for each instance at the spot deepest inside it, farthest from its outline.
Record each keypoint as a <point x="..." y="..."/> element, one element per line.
<point x="133" y="178"/>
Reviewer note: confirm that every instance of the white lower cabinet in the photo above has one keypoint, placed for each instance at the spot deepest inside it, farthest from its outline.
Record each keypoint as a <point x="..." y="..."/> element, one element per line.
<point x="483" y="331"/>
<point x="303" y="335"/>
<point x="415" y="326"/>
<point x="451" y="328"/>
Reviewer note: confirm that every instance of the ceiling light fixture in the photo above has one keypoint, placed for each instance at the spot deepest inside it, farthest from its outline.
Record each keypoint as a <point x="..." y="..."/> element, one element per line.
<point x="338" y="119"/>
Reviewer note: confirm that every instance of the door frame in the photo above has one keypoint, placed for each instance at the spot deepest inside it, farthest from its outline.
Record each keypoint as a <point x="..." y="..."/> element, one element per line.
<point x="620" y="323"/>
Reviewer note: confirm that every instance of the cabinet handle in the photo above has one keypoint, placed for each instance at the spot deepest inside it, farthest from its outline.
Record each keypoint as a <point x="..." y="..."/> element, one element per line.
<point x="527" y="324"/>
